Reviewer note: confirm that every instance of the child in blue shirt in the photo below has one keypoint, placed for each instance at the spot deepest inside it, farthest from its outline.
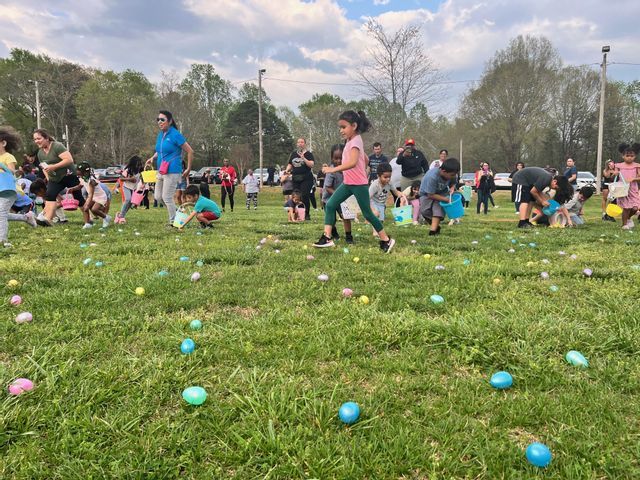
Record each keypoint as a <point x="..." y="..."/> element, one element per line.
<point x="205" y="210"/>
<point x="436" y="187"/>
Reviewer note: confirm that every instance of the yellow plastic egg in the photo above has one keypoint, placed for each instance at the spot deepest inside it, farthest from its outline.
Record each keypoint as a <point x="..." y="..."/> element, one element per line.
<point x="364" y="300"/>
<point x="139" y="291"/>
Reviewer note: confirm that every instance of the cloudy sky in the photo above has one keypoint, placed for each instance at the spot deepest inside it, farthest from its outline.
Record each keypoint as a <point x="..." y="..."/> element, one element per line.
<point x="317" y="41"/>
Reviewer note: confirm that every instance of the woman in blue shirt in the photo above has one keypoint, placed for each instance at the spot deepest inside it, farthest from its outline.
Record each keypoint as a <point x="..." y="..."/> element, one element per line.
<point x="169" y="147"/>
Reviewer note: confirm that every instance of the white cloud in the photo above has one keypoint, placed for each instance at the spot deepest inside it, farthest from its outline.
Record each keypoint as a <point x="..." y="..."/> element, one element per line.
<point x="381" y="2"/>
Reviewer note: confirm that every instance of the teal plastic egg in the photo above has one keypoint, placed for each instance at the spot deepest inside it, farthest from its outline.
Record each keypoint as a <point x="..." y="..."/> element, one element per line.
<point x="437" y="299"/>
<point x="187" y="346"/>
<point x="576" y="359"/>
<point x="194" y="395"/>
<point x="195" y="325"/>
<point x="501" y="380"/>
<point x="349" y="412"/>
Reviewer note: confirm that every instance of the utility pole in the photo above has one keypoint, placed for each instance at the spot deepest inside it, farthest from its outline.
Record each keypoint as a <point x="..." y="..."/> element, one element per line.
<point x="260" y="73"/>
<point x="461" y="169"/>
<point x="603" y="85"/>
<point x="38" y="123"/>
<point x="66" y="134"/>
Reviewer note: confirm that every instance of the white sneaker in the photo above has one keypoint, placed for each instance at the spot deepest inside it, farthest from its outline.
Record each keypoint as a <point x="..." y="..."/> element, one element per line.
<point x="630" y="224"/>
<point x="106" y="221"/>
<point x="60" y="215"/>
<point x="626" y="227"/>
<point x="87" y="226"/>
<point x="42" y="220"/>
<point x="30" y="218"/>
<point x="496" y="206"/>
<point x="7" y="245"/>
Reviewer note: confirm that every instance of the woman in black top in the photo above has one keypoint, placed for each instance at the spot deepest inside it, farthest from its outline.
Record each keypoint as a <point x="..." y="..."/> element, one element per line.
<point x="300" y="165"/>
<point x="485" y="186"/>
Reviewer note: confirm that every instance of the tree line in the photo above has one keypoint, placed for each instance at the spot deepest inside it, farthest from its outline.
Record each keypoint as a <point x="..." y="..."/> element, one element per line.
<point x="527" y="106"/>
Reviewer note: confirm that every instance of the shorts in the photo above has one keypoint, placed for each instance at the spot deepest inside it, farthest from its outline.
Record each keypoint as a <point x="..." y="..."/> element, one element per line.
<point x="101" y="201"/>
<point x="523" y="194"/>
<point x="182" y="184"/>
<point x="287" y="192"/>
<point x="56" y="188"/>
<point x="209" y="216"/>
<point x="430" y="208"/>
<point x="380" y="208"/>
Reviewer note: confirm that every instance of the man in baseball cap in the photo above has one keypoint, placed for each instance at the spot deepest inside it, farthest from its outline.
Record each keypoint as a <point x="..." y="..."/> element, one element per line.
<point x="413" y="162"/>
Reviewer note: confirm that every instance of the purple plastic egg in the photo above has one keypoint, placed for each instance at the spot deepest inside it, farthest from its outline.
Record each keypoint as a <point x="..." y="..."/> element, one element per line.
<point x="24" y="317"/>
<point x="587" y="272"/>
<point x="16" y="300"/>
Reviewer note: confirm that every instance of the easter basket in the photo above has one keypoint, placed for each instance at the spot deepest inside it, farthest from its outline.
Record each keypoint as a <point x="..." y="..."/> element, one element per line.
<point x="182" y="214"/>
<point x="137" y="197"/>
<point x="149" y="176"/>
<point x="403" y="215"/>
<point x="69" y="203"/>
<point x="619" y="188"/>
<point x="350" y="208"/>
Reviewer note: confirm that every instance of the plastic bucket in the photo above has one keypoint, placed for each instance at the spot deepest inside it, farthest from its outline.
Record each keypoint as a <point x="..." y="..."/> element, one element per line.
<point x="180" y="219"/>
<point x="301" y="213"/>
<point x="69" y="203"/>
<point x="137" y="197"/>
<point x="613" y="210"/>
<point x="403" y="215"/>
<point x="149" y="176"/>
<point x="551" y="209"/>
<point x="455" y="209"/>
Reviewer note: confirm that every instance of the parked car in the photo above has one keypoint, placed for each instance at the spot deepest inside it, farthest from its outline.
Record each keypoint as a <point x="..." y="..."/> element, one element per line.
<point x="195" y="176"/>
<point x="99" y="172"/>
<point x="586" y="178"/>
<point x="502" y="181"/>
<point x="265" y="175"/>
<point x="467" y="177"/>
<point x="111" y="174"/>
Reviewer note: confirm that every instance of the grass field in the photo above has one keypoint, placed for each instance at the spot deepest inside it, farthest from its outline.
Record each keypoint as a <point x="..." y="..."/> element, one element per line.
<point x="280" y="351"/>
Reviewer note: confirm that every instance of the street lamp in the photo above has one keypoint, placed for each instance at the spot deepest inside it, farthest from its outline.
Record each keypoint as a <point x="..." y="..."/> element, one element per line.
<point x="260" y="73"/>
<point x="603" y="83"/>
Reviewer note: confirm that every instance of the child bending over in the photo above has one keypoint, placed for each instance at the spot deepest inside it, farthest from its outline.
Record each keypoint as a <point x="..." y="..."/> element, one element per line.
<point x="205" y="210"/>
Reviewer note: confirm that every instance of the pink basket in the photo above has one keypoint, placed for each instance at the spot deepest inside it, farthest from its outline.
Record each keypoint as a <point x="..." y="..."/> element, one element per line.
<point x="300" y="214"/>
<point x="137" y="197"/>
<point x="69" y="203"/>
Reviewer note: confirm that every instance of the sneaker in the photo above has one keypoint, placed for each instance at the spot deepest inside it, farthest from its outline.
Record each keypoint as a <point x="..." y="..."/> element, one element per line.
<point x="7" y="245"/>
<point x="630" y="224"/>
<point x="496" y="206"/>
<point x="348" y="238"/>
<point x="388" y="245"/>
<point x="433" y="233"/>
<point x="626" y="227"/>
<point x="524" y="224"/>
<point x="86" y="226"/>
<point x="42" y="221"/>
<point x="106" y="221"/>
<point x="30" y="218"/>
<point x="324" y="242"/>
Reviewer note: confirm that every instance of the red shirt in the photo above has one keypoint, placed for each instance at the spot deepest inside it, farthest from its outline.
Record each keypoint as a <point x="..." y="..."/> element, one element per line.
<point x="224" y="171"/>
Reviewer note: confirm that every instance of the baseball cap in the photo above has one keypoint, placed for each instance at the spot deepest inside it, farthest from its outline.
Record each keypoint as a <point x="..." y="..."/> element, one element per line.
<point x="410" y="142"/>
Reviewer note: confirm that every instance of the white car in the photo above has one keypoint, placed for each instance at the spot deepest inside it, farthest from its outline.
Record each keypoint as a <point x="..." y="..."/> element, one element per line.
<point x="586" y="178"/>
<point x="265" y="175"/>
<point x="502" y="181"/>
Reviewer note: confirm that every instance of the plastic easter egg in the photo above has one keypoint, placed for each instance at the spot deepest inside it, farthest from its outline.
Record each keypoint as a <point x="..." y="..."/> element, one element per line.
<point x="530" y="264"/>
<point x="501" y="380"/>
<point x="347" y="292"/>
<point x="475" y="242"/>
<point x="139" y="291"/>
<point x="413" y="242"/>
<point x="198" y="233"/>
<point x="587" y="272"/>
<point x="554" y="288"/>
<point x="15" y="300"/>
<point x="437" y="299"/>
<point x="20" y="385"/>
<point x="258" y="247"/>
<point x="488" y="237"/>
<point x="538" y="455"/>
<point x="426" y="256"/>
<point x="573" y="257"/>
<point x="263" y="241"/>
<point x="497" y="281"/>
<point x="576" y="359"/>
<point x="511" y="250"/>
<point x="323" y="277"/>
<point x="163" y="273"/>
<point x="187" y="346"/>
<point x="194" y="395"/>
<point x="304" y="247"/>
<point x="195" y="325"/>
<point x="466" y="262"/>
<point x="349" y="413"/>
<point x="87" y="261"/>
<point x="195" y="276"/>
<point x="24" y="317"/>
<point x="99" y="264"/>
<point x="345" y="250"/>
<point x="533" y="245"/>
<point x="544" y="276"/>
<point x="199" y="263"/>
<point x="356" y="259"/>
<point x="13" y="283"/>
<point x="545" y="261"/>
<point x="277" y="251"/>
<point x="561" y="253"/>
<point x="440" y="268"/>
<point x="514" y="241"/>
<point x="83" y="245"/>
<point x="364" y="300"/>
<point x="310" y="257"/>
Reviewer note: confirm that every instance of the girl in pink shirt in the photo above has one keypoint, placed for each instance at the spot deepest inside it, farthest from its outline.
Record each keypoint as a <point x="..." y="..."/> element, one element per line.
<point x="356" y="182"/>
<point x="630" y="171"/>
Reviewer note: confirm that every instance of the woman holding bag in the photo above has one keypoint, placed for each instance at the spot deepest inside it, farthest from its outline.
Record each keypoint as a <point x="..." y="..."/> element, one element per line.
<point x="170" y="144"/>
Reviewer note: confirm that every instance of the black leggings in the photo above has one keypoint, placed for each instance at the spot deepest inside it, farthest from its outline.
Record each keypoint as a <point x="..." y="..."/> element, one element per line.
<point x="312" y="198"/>
<point x="228" y="191"/>
<point x="305" y="187"/>
<point x="68" y="181"/>
<point x="483" y="199"/>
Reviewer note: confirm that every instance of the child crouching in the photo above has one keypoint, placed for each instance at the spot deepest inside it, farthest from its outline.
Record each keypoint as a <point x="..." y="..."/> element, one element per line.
<point x="205" y="210"/>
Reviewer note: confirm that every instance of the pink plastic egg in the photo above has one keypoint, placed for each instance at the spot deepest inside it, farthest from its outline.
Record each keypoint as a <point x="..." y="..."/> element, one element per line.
<point x="20" y="385"/>
<point x="16" y="300"/>
<point x="24" y="317"/>
<point x="347" y="292"/>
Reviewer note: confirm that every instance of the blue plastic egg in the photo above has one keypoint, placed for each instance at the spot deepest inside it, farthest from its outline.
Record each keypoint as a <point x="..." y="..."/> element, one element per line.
<point x="538" y="455"/>
<point x="187" y="346"/>
<point x="99" y="264"/>
<point x="466" y="262"/>
<point x="83" y="245"/>
<point x="501" y="380"/>
<point x="184" y="259"/>
<point x="345" y="250"/>
<point x="200" y="263"/>
<point x="87" y="261"/>
<point x="349" y="412"/>
<point x="554" y="288"/>
<point x="194" y="395"/>
<point x="514" y="241"/>
<point x="195" y="325"/>
<point x="437" y="299"/>
<point x="532" y="245"/>
<point x="576" y="359"/>
<point x="163" y="273"/>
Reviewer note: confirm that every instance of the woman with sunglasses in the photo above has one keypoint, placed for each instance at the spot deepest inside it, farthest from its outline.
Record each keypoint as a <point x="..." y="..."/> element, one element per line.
<point x="170" y="144"/>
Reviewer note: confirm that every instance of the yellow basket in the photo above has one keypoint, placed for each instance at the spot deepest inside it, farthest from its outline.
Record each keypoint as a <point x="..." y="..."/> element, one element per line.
<point x="613" y="210"/>
<point x="149" y="176"/>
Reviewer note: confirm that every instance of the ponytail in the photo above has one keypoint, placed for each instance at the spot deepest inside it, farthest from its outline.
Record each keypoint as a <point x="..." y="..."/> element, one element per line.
<point x="359" y="118"/>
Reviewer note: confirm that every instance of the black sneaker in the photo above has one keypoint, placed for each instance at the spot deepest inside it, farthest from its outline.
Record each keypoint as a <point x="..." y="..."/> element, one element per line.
<point x="348" y="238"/>
<point x="334" y="234"/>
<point x="388" y="245"/>
<point x="324" y="242"/>
<point x="433" y="233"/>
<point x="524" y="224"/>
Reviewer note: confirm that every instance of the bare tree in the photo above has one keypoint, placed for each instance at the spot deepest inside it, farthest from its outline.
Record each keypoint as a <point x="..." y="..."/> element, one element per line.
<point x="242" y="157"/>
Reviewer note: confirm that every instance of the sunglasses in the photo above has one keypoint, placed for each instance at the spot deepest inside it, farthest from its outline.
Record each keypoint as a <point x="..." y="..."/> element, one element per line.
<point x="162" y="120"/>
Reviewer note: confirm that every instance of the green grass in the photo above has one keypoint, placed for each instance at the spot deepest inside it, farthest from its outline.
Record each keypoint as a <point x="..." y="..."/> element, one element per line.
<point x="280" y="351"/>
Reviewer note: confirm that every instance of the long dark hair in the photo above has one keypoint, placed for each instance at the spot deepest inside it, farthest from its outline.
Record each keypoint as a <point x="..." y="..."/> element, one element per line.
<point x="334" y="149"/>
<point x="359" y="118"/>
<point x="134" y="165"/>
<point x="170" y="118"/>
<point x="44" y="134"/>
<point x="12" y="137"/>
<point x="564" y="191"/>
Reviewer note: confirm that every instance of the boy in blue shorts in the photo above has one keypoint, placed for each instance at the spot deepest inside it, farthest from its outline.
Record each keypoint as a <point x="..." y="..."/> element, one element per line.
<point x="205" y="210"/>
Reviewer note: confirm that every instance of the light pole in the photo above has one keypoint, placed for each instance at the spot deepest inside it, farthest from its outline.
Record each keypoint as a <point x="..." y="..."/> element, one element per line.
<point x="603" y="85"/>
<point x="37" y="102"/>
<point x="260" y="73"/>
